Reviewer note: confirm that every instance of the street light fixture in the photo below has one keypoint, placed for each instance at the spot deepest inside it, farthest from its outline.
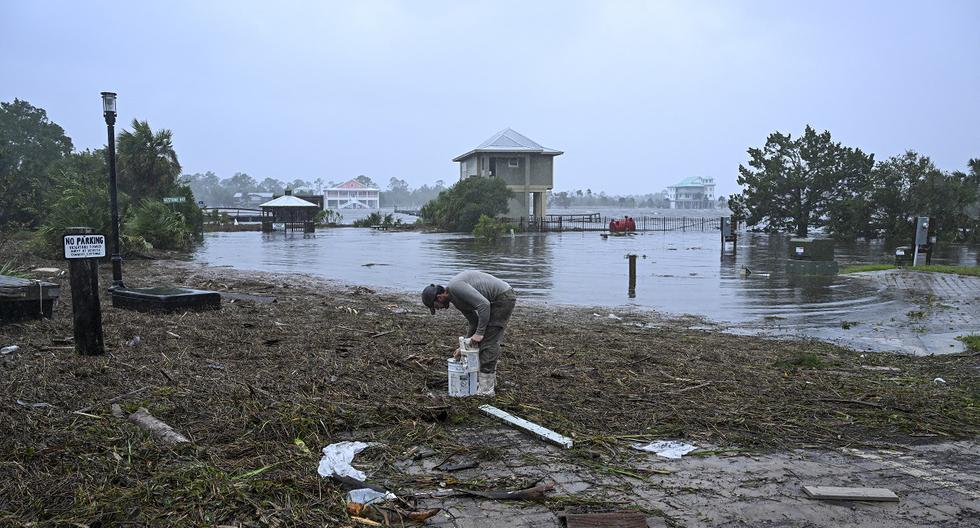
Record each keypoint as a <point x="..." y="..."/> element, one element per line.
<point x="109" y="111"/>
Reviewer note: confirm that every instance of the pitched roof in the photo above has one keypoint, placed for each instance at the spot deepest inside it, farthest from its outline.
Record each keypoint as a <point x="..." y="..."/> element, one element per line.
<point x="509" y="140"/>
<point x="694" y="181"/>
<point x="288" y="201"/>
<point x="353" y="184"/>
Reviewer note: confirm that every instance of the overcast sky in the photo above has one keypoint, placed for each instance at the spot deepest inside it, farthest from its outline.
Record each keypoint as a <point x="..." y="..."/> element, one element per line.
<point x="638" y="94"/>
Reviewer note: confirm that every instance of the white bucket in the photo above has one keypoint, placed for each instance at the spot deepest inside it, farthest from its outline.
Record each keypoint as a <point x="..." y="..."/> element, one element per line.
<point x="471" y="356"/>
<point x="459" y="379"/>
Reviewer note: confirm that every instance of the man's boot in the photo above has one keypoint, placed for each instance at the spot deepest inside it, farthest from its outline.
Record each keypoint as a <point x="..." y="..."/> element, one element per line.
<point x="485" y="384"/>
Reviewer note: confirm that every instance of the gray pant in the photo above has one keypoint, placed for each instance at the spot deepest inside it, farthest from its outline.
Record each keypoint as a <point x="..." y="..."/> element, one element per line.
<point x="500" y="310"/>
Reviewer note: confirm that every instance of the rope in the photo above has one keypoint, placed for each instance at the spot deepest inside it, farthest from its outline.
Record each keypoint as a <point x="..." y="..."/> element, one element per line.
<point x="40" y="299"/>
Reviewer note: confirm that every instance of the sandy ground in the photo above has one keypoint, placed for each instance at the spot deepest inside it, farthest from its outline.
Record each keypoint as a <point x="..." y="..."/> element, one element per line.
<point x="291" y="364"/>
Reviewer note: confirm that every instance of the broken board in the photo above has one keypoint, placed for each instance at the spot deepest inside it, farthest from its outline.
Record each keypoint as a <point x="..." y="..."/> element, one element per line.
<point x="541" y="432"/>
<point x="854" y="494"/>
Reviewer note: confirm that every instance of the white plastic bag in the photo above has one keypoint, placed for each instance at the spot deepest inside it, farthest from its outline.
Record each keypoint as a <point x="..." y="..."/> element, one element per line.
<point x="337" y="458"/>
<point x="667" y="448"/>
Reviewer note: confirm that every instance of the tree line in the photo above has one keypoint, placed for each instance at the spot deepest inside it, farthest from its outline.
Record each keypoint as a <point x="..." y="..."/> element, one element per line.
<point x="796" y="184"/>
<point x="587" y="198"/>
<point x="46" y="184"/>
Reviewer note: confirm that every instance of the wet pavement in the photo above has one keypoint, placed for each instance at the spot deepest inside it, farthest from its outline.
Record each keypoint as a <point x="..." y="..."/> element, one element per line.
<point x="937" y="485"/>
<point x="927" y="314"/>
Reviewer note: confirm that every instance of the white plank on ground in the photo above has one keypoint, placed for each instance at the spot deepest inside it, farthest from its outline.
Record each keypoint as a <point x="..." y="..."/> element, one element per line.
<point x="530" y="427"/>
<point x="856" y="494"/>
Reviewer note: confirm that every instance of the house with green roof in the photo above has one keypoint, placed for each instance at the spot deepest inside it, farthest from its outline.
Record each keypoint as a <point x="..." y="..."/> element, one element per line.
<point x="696" y="192"/>
<point x="525" y="166"/>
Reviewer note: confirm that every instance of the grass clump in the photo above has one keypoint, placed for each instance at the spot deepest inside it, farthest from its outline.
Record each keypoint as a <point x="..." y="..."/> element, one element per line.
<point x="867" y="267"/>
<point x="969" y="271"/>
<point x="972" y="342"/>
<point x="806" y="360"/>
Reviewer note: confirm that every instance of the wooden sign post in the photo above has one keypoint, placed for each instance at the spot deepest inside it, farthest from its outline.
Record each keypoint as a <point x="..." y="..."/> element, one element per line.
<point x="632" y="284"/>
<point x="83" y="248"/>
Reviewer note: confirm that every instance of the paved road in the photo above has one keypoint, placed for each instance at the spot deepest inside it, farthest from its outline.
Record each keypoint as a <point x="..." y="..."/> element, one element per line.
<point x="927" y="312"/>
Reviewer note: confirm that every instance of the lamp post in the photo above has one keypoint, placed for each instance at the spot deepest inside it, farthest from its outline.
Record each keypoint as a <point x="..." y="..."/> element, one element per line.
<point x="109" y="111"/>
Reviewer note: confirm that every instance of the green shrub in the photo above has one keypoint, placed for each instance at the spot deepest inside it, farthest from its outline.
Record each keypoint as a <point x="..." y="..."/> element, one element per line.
<point x="375" y="219"/>
<point x="460" y="207"/>
<point x="162" y="226"/>
<point x="372" y="219"/>
<point x="489" y="228"/>
<point x="79" y="198"/>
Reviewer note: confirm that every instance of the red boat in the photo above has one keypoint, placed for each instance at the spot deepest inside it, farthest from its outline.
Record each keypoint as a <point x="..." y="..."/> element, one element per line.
<point x="624" y="225"/>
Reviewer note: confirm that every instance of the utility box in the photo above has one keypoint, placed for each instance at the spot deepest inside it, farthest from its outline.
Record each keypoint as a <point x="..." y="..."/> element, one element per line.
<point x="165" y="299"/>
<point x="814" y="249"/>
<point x="903" y="256"/>
<point x="925" y="240"/>
<point x="811" y="256"/>
<point x="921" y="230"/>
<point x="729" y="238"/>
<point x="26" y="299"/>
<point x="811" y="267"/>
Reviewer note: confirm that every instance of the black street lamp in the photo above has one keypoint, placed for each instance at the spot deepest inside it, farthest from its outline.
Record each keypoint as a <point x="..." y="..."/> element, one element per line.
<point x="109" y="111"/>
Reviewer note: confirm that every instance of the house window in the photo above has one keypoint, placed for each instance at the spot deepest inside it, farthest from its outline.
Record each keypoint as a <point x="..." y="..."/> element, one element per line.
<point x="514" y="162"/>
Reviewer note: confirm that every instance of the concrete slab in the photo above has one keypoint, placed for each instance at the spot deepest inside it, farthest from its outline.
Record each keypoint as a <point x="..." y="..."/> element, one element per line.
<point x="936" y="484"/>
<point x="926" y="313"/>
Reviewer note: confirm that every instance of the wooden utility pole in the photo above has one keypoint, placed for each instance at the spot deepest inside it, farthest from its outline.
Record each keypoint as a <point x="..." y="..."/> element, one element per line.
<point x="82" y="248"/>
<point x="632" y="285"/>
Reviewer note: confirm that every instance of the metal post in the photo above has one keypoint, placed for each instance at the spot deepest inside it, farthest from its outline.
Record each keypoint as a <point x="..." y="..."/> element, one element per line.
<point x="117" y="282"/>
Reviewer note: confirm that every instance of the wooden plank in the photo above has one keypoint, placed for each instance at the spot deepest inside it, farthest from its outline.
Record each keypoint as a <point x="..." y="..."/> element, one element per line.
<point x="855" y="494"/>
<point x="541" y="432"/>
<point x="606" y="520"/>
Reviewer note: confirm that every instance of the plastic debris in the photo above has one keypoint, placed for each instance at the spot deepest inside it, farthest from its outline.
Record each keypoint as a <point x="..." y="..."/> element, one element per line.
<point x="337" y="458"/>
<point x="38" y="405"/>
<point x="541" y="432"/>
<point x="9" y="350"/>
<point x="667" y="448"/>
<point x="616" y="317"/>
<point x="369" y="496"/>
<point x="134" y="341"/>
<point x="939" y="380"/>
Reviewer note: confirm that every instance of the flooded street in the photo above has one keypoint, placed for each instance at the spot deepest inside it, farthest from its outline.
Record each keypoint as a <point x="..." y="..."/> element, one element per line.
<point x="677" y="272"/>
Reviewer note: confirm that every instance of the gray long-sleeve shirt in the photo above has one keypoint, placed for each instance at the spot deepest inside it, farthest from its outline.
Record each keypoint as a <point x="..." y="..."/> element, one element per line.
<point x="472" y="291"/>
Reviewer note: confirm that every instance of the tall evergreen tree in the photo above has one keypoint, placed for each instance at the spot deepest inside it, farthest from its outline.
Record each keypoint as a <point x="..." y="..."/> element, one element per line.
<point x="790" y="184"/>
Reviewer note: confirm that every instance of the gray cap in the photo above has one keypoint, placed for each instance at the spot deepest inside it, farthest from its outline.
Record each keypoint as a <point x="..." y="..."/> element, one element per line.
<point x="429" y="296"/>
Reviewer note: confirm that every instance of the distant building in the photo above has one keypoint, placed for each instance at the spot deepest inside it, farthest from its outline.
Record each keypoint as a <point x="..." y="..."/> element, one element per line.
<point x="251" y="199"/>
<point x="289" y="211"/>
<point x="692" y="193"/>
<point x="525" y="166"/>
<point x="352" y="194"/>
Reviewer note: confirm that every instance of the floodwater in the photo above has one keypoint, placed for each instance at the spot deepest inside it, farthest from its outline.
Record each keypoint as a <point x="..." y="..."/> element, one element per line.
<point x="679" y="273"/>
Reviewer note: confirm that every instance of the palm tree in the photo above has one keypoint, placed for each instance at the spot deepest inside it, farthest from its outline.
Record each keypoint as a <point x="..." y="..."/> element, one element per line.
<point x="148" y="165"/>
